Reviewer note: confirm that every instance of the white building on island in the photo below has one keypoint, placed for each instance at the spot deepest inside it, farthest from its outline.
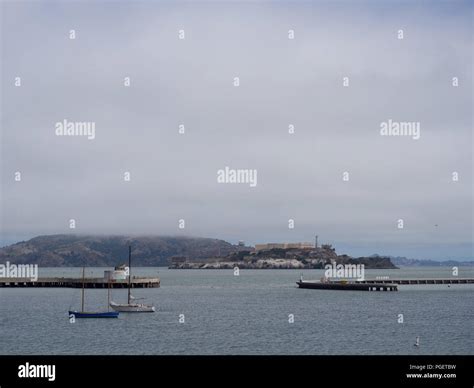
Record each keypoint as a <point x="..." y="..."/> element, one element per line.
<point x="298" y="245"/>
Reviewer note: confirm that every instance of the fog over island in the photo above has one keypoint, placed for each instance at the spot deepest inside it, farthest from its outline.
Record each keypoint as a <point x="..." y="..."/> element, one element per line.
<point x="284" y="85"/>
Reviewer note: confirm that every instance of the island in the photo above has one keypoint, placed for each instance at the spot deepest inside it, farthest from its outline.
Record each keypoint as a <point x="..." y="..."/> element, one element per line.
<point x="281" y="258"/>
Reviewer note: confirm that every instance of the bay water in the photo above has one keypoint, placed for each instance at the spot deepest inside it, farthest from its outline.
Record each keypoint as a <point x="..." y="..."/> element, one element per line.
<point x="258" y="312"/>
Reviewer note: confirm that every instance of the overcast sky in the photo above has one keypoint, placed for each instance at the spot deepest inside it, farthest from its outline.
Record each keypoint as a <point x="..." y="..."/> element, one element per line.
<point x="282" y="81"/>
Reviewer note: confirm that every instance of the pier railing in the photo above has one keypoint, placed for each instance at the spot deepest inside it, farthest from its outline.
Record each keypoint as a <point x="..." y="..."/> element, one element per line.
<point x="420" y="281"/>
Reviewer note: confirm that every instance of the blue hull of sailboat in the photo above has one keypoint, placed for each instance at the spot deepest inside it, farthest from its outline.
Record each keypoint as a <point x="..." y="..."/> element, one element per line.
<point x="107" y="314"/>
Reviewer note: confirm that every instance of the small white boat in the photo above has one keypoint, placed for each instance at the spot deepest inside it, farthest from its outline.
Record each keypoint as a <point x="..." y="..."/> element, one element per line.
<point x="417" y="342"/>
<point x="130" y="306"/>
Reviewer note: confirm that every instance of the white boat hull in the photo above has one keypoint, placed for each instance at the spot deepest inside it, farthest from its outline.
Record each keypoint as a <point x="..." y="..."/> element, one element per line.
<point x="132" y="308"/>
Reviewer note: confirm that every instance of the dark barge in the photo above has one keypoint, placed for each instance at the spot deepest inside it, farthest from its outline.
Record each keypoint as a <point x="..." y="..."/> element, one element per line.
<point x="347" y="286"/>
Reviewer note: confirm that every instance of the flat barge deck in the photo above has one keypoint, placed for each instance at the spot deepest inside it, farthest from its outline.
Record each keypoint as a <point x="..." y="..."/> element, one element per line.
<point x="349" y="286"/>
<point x="378" y="284"/>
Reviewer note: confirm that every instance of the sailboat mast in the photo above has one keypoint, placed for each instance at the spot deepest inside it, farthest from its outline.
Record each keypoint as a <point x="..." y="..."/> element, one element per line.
<point x="83" y="286"/>
<point x="108" y="293"/>
<point x="129" y="270"/>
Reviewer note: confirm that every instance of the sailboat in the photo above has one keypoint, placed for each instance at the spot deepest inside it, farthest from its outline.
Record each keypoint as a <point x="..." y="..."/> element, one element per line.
<point x="131" y="307"/>
<point x="87" y="314"/>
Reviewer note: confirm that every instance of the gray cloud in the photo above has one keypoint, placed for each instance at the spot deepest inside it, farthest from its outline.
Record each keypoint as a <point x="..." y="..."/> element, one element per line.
<point x="283" y="82"/>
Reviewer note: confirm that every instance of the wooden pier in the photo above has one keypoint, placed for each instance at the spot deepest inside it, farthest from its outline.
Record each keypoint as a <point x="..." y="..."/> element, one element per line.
<point x="136" y="282"/>
<point x="421" y="281"/>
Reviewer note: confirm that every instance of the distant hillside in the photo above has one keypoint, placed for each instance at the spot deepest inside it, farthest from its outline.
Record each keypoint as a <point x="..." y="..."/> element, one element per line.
<point x="98" y="251"/>
<point x="403" y="261"/>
